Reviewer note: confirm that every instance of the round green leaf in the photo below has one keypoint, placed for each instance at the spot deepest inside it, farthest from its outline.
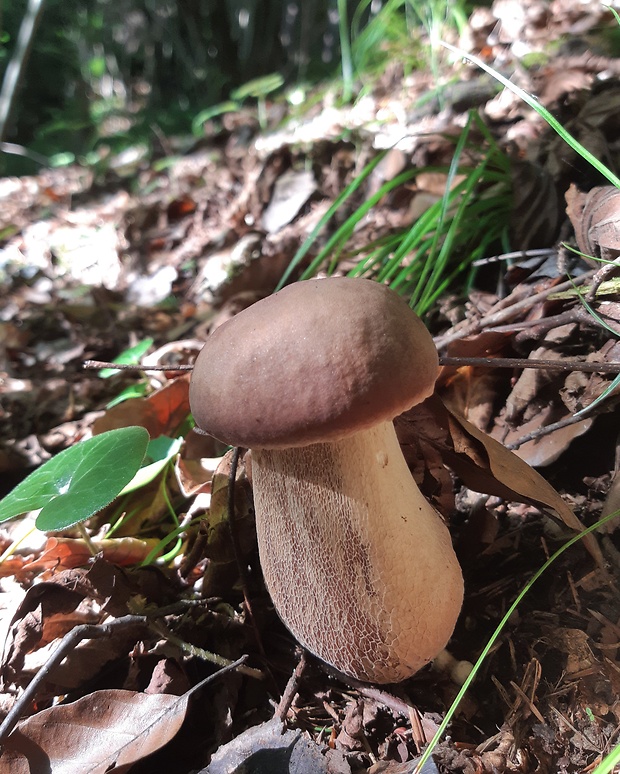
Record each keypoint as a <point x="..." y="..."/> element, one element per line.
<point x="79" y="481"/>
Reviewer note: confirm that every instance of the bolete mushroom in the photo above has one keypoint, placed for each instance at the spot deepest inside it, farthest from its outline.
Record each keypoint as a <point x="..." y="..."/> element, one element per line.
<point x="358" y="564"/>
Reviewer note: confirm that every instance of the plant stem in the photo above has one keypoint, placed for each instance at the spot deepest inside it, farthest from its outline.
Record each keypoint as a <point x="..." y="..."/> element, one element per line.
<point x="345" y="51"/>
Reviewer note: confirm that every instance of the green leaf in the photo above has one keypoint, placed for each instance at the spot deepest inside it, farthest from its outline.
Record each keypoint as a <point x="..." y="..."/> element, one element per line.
<point x="609" y="762"/>
<point x="160" y="451"/>
<point x="212" y="112"/>
<point x="258" y="87"/>
<point x="79" y="481"/>
<point x="137" y="390"/>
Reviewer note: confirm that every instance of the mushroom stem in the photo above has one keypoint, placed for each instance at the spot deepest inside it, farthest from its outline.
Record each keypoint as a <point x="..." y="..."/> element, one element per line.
<point x="359" y="565"/>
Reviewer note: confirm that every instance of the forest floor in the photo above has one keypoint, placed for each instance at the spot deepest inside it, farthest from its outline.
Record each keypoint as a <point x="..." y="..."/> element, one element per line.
<point x="155" y="256"/>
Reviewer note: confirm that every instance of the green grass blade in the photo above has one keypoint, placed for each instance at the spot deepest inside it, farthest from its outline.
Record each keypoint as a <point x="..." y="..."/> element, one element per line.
<point x="345" y="51"/>
<point x="339" y="201"/>
<point x="542" y="111"/>
<point x="609" y="763"/>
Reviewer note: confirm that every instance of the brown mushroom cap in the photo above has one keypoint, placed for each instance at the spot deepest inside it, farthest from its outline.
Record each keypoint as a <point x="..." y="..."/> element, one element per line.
<point x="317" y="361"/>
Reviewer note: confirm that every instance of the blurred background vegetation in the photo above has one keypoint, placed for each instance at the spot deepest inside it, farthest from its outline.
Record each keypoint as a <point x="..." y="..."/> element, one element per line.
<point x="119" y="72"/>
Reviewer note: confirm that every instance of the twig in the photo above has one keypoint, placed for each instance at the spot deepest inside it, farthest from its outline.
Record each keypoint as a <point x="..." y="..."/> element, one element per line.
<point x="291" y="687"/>
<point x="523" y="362"/>
<point x="205" y="655"/>
<point x="134" y="367"/>
<point x="482" y="362"/>
<point x="503" y="312"/>
<point x="546" y="430"/>
<point x="575" y="315"/>
<point x="544" y="252"/>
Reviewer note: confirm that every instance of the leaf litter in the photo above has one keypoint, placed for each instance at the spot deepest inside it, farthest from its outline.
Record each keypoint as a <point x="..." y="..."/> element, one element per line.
<point x="205" y="237"/>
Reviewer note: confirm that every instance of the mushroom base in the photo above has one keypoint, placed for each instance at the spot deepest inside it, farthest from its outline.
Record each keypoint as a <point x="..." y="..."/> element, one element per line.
<point x="359" y="565"/>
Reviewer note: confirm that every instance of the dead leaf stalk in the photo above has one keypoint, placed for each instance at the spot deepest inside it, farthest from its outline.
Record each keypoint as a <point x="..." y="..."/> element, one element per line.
<point x="205" y="655"/>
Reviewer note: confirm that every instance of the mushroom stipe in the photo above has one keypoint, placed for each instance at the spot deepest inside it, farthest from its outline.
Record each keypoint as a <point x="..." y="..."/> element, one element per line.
<point x="359" y="565"/>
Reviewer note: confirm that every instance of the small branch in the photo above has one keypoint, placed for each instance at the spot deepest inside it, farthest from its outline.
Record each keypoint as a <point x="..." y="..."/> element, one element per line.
<point x="505" y="310"/>
<point x="541" y="432"/>
<point x="523" y="362"/>
<point x="291" y="687"/>
<point x="480" y="362"/>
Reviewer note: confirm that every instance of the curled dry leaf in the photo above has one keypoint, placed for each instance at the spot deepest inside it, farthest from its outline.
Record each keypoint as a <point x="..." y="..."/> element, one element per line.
<point x="596" y="219"/>
<point x="103" y="731"/>
<point x="482" y="463"/>
<point x="222" y="570"/>
<point x="527" y="485"/>
<point x="45" y="613"/>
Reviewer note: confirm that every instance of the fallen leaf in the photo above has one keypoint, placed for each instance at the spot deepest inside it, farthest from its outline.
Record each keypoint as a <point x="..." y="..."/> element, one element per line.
<point x="291" y="191"/>
<point x="526" y="483"/>
<point x="106" y="730"/>
<point x="596" y="219"/>
<point x="269" y="747"/>
<point x="68" y="553"/>
<point x="161" y="413"/>
<point x="46" y="612"/>
<point x="481" y="462"/>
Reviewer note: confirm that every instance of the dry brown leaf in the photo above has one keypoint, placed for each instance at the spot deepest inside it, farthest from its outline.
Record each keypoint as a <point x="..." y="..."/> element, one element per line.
<point x="45" y="613"/>
<point x="548" y="448"/>
<point x="103" y="731"/>
<point x="69" y="553"/>
<point x="161" y="413"/>
<point x="522" y="479"/>
<point x="596" y="219"/>
<point x="269" y="747"/>
<point x="612" y="500"/>
<point x="222" y="569"/>
<point x="290" y="192"/>
<point x="481" y="462"/>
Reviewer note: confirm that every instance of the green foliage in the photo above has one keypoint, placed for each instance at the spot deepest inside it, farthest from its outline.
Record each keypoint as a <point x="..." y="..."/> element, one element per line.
<point x="104" y="74"/>
<point x="159" y="453"/>
<point x="80" y="481"/>
<point x="395" y="34"/>
<point x="385" y="39"/>
<point x="438" y="250"/>
<point x="609" y="762"/>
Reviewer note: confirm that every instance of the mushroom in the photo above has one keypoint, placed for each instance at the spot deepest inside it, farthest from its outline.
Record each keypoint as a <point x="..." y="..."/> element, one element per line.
<point x="358" y="564"/>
